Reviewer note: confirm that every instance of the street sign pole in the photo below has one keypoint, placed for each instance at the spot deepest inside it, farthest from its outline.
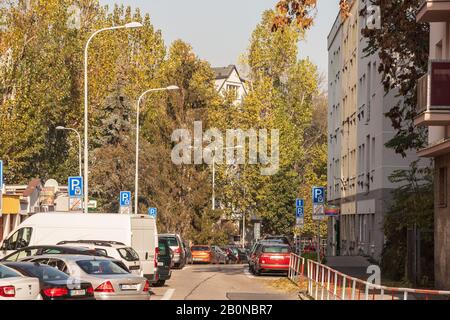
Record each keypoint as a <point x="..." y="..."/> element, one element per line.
<point x="318" y="242"/>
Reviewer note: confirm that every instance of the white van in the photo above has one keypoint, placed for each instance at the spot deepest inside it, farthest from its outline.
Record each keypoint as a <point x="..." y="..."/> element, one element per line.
<point x="136" y="231"/>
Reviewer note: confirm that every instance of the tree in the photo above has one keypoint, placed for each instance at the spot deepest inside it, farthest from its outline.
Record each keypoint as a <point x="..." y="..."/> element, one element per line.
<point x="413" y="206"/>
<point x="403" y="48"/>
<point x="282" y="95"/>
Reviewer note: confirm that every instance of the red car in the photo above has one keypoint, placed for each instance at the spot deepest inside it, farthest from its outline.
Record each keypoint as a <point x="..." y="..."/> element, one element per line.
<point x="272" y="258"/>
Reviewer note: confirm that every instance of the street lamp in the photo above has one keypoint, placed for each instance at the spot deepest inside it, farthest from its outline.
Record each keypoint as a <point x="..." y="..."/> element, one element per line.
<point x="79" y="143"/>
<point x="86" y="103"/>
<point x="138" y="111"/>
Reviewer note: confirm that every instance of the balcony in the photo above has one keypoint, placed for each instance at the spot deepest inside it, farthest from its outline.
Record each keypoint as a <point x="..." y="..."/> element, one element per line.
<point x="433" y="95"/>
<point x="434" y="11"/>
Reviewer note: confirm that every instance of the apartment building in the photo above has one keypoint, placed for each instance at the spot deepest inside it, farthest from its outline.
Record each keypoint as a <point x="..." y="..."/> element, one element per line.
<point x="433" y="111"/>
<point x="359" y="164"/>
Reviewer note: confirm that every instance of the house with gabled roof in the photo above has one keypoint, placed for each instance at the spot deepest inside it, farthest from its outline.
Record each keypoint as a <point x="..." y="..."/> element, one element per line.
<point x="227" y="79"/>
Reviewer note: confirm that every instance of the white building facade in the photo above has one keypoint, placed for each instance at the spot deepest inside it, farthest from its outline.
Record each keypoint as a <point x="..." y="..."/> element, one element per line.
<point x="359" y="164"/>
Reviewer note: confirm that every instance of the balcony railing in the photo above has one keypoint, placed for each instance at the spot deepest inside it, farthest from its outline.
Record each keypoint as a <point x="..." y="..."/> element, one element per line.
<point x="433" y="95"/>
<point x="434" y="11"/>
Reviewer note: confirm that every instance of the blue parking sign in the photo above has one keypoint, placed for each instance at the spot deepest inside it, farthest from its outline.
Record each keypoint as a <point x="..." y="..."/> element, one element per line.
<point x="318" y="195"/>
<point x="300" y="212"/>
<point x="125" y="199"/>
<point x="75" y="187"/>
<point x="153" y="212"/>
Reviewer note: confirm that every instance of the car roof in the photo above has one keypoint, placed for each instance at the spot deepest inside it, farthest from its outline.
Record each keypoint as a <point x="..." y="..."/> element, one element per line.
<point x="24" y="264"/>
<point x="102" y="243"/>
<point x="71" y="257"/>
<point x="275" y="245"/>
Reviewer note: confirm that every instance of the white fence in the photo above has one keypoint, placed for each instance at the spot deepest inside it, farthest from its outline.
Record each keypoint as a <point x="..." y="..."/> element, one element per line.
<point x="325" y="283"/>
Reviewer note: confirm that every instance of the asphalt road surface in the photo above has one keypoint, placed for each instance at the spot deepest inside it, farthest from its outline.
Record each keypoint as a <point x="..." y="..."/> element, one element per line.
<point x="220" y="282"/>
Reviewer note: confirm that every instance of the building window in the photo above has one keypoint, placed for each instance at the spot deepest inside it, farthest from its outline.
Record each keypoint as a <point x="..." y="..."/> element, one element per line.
<point x="442" y="187"/>
<point x="232" y="88"/>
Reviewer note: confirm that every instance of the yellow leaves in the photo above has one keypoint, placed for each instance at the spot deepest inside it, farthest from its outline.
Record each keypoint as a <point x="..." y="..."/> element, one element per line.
<point x="298" y="12"/>
<point x="344" y="9"/>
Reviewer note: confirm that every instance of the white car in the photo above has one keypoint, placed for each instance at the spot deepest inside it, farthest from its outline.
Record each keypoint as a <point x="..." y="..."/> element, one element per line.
<point x="113" y="249"/>
<point x="14" y="286"/>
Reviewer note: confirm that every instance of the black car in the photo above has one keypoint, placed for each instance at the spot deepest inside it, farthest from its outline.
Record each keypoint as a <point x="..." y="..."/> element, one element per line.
<point x="164" y="262"/>
<point x="43" y="250"/>
<point x="55" y="284"/>
<point x="240" y="256"/>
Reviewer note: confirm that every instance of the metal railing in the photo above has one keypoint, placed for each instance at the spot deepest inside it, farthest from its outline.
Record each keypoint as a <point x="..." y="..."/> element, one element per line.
<point x="422" y="94"/>
<point x="325" y="283"/>
<point x="297" y="267"/>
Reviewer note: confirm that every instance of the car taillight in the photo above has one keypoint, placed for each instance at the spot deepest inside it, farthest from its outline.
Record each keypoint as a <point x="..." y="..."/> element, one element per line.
<point x="8" y="291"/>
<point x="105" y="287"/>
<point x="177" y="250"/>
<point x="90" y="290"/>
<point x="147" y="286"/>
<point x="55" y="292"/>
<point x="156" y="256"/>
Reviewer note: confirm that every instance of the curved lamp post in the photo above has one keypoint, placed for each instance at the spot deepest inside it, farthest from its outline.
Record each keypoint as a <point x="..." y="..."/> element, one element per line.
<point x="138" y="113"/>
<point x="86" y="105"/>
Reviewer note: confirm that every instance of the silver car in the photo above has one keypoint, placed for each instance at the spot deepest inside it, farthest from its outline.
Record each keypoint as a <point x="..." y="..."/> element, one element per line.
<point x="109" y="279"/>
<point x="14" y="286"/>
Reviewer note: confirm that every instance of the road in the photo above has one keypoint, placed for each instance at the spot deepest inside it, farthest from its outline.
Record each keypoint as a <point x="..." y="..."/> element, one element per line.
<point x="221" y="282"/>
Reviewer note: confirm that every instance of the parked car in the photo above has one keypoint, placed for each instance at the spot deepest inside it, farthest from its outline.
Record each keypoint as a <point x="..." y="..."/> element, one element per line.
<point x="282" y="239"/>
<point x="221" y="256"/>
<point x="109" y="278"/>
<point x="41" y="250"/>
<point x="165" y="263"/>
<point x="16" y="286"/>
<point x="203" y="254"/>
<point x="232" y="258"/>
<point x="136" y="231"/>
<point x="239" y="255"/>
<point x="272" y="257"/>
<point x="187" y="249"/>
<point x="55" y="285"/>
<point x="113" y="249"/>
<point x="177" y="246"/>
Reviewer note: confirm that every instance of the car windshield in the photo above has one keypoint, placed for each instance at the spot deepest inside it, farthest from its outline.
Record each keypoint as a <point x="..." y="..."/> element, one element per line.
<point x="163" y="247"/>
<point x="200" y="248"/>
<point x="276" y="249"/>
<point x="44" y="272"/>
<point x="128" y="254"/>
<point x="104" y="267"/>
<point x="8" y="273"/>
<point x="173" y="242"/>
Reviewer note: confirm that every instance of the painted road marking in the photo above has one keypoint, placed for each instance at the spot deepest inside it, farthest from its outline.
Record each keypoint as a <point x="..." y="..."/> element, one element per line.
<point x="168" y="295"/>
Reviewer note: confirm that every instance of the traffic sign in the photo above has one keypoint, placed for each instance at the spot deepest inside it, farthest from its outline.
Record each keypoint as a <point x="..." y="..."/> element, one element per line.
<point x="153" y="212"/>
<point x="125" y="199"/>
<point x="318" y="195"/>
<point x="75" y="187"/>
<point x="319" y="212"/>
<point x="300" y="203"/>
<point x="300" y="212"/>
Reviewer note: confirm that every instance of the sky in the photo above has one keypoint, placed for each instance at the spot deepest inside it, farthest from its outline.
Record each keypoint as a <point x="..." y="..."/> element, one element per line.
<point x="219" y="30"/>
